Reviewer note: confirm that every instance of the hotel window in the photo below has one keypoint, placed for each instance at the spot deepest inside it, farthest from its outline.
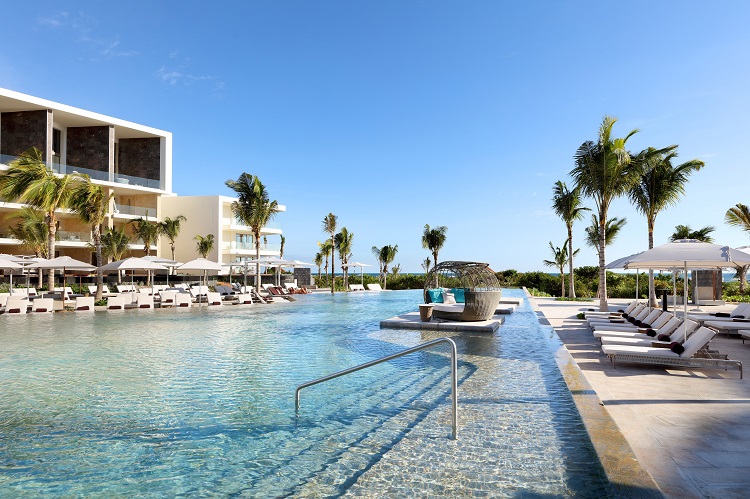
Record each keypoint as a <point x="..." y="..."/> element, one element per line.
<point x="56" y="146"/>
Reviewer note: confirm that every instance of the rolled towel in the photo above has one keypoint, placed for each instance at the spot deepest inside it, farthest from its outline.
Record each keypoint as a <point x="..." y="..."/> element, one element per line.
<point x="651" y="332"/>
<point x="738" y="317"/>
<point x="647" y="326"/>
<point x="621" y="311"/>
<point x="625" y="315"/>
<point x="663" y="337"/>
<point x="677" y="348"/>
<point x="721" y="314"/>
<point x="638" y="323"/>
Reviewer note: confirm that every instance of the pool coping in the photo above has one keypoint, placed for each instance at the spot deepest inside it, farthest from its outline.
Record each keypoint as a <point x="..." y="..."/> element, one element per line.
<point x="625" y="474"/>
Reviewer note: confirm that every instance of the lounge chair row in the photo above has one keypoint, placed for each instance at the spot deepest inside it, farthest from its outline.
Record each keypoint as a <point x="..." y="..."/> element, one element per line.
<point x="643" y="335"/>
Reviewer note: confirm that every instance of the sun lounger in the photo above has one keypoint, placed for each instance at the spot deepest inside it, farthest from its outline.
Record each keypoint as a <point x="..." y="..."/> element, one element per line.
<point x="43" y="305"/>
<point x="183" y="300"/>
<point x="728" y="327"/>
<point x="213" y="298"/>
<point x="3" y="299"/>
<point x="105" y="290"/>
<point x="84" y="304"/>
<point x="118" y="302"/>
<point x="674" y="333"/>
<point x="356" y="287"/>
<point x="745" y="334"/>
<point x="167" y="298"/>
<point x="742" y="310"/>
<point x="663" y="320"/>
<point x="654" y="320"/>
<point x="244" y="299"/>
<point x="639" y="311"/>
<point x="667" y="328"/>
<point x="596" y="313"/>
<point x="670" y="357"/>
<point x="374" y="287"/>
<point x="126" y="288"/>
<point x="16" y="305"/>
<point x="144" y="301"/>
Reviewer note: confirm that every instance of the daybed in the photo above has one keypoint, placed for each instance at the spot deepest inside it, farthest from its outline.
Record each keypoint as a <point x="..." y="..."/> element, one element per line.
<point x="473" y="295"/>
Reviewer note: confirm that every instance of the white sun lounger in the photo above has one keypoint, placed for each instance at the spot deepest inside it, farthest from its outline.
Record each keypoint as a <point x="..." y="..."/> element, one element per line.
<point x="183" y="300"/>
<point x="118" y="302"/>
<point x="666" y="357"/>
<point x="627" y="310"/>
<point x="213" y="298"/>
<point x="16" y="305"/>
<point x="374" y="287"/>
<point x="728" y="327"/>
<point x="742" y="310"/>
<point x="84" y="304"/>
<point x="144" y="301"/>
<point x="245" y="299"/>
<point x="675" y="332"/>
<point x="647" y="321"/>
<point x="637" y="311"/>
<point x="43" y="305"/>
<point x="167" y="298"/>
<point x="663" y="321"/>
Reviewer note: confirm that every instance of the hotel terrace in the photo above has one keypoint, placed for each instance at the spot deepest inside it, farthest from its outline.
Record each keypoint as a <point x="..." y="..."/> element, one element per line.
<point x="135" y="163"/>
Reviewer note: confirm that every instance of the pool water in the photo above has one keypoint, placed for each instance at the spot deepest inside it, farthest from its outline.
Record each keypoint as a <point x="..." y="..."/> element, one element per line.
<point x="201" y="402"/>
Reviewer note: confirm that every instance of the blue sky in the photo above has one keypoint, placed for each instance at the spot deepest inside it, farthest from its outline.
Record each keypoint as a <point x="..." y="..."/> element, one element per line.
<point x="394" y="114"/>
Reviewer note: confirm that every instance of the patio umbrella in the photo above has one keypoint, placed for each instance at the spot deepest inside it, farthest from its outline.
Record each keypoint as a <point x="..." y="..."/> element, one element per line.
<point x="170" y="264"/>
<point x="133" y="263"/>
<point x="296" y="263"/>
<point x="62" y="262"/>
<point x="200" y="265"/>
<point x="361" y="269"/>
<point x="689" y="254"/>
<point x="9" y="264"/>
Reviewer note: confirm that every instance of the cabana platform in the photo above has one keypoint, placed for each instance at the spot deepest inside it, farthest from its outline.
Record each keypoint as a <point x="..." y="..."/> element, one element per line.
<point x="412" y="321"/>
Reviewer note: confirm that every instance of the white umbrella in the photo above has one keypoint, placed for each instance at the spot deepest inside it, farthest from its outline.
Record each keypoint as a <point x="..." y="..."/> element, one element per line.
<point x="361" y="269"/>
<point x="163" y="261"/>
<point x="64" y="263"/>
<point x="689" y="253"/>
<point x="6" y="263"/>
<point x="133" y="263"/>
<point x="202" y="265"/>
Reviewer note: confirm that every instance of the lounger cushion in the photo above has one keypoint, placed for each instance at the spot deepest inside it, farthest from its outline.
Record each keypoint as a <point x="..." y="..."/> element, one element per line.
<point x="458" y="295"/>
<point x="663" y="337"/>
<point x="676" y="347"/>
<point x="436" y="295"/>
<point x="85" y="307"/>
<point x="721" y="314"/>
<point x="650" y="332"/>
<point x="448" y="299"/>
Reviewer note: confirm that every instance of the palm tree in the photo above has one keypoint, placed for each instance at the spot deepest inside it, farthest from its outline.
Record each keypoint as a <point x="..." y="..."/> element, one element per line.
<point x="253" y="208"/>
<point x="434" y="240"/>
<point x="387" y="255"/>
<point x="661" y="185"/>
<point x="568" y="206"/>
<point x="170" y="228"/>
<point x="395" y="270"/>
<point x="344" y="240"/>
<point x="559" y="259"/>
<point x="329" y="225"/>
<point x="204" y="245"/>
<point x="612" y="228"/>
<point x="30" y="181"/>
<point x="147" y="231"/>
<point x="426" y="264"/>
<point x="31" y="230"/>
<point x="115" y="245"/>
<point x="376" y="252"/>
<point x="318" y="260"/>
<point x="603" y="171"/>
<point x="326" y="249"/>
<point x="91" y="204"/>
<point x="739" y="216"/>
<point x="685" y="232"/>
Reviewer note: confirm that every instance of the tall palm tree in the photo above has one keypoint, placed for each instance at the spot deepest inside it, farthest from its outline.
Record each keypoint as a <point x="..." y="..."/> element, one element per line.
<point x="318" y="260"/>
<point x="253" y="208"/>
<point x="603" y="171"/>
<point x="612" y="228"/>
<point x="344" y="241"/>
<point x="387" y="255"/>
<point x="661" y="185"/>
<point x="115" y="245"/>
<point x="91" y="204"/>
<point x="282" y="243"/>
<point x="376" y="252"/>
<point x="170" y="228"/>
<point x="329" y="225"/>
<point x="325" y="250"/>
<point x="685" y="232"/>
<point x="147" y="231"/>
<point x="31" y="229"/>
<point x="739" y="216"/>
<point x="434" y="240"/>
<point x="30" y="181"/>
<point x="568" y="205"/>
<point x="559" y="259"/>
<point x="426" y="264"/>
<point x="204" y="245"/>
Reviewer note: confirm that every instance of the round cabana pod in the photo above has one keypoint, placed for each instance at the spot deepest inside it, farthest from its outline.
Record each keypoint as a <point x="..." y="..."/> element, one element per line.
<point x="462" y="291"/>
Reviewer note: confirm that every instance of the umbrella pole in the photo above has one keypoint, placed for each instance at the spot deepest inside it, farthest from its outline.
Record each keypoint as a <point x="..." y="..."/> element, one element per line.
<point x="684" y="286"/>
<point x="674" y="291"/>
<point x="11" y="283"/>
<point x="637" y="294"/>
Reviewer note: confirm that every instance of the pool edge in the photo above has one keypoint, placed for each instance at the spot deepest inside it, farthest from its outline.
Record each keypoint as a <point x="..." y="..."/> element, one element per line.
<point x="625" y="474"/>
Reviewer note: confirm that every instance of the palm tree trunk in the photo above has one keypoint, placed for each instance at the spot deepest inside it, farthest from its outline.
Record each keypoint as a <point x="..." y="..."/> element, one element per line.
<point x="742" y="273"/>
<point x="171" y="245"/>
<point x="333" y="265"/>
<point x="257" y="267"/>
<point x="562" y="282"/>
<point x="603" y="307"/>
<point x="51" y="234"/>
<point x="651" y="287"/>
<point x="571" y="276"/>
<point x="97" y="235"/>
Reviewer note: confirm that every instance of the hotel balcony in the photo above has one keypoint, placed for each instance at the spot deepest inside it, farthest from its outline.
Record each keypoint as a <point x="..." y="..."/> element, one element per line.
<point x="248" y="249"/>
<point x="133" y="212"/>
<point x="273" y="228"/>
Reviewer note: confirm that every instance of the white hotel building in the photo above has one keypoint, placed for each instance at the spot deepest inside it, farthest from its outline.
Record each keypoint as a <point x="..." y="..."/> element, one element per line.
<point x="134" y="162"/>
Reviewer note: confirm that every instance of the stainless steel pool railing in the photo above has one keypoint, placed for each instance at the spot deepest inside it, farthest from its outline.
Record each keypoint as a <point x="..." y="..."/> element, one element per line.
<point x="454" y="375"/>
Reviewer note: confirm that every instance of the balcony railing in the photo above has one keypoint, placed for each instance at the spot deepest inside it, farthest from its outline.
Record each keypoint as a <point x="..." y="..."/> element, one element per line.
<point x="62" y="168"/>
<point x="234" y="245"/>
<point x="138" y="211"/>
<point x="70" y="236"/>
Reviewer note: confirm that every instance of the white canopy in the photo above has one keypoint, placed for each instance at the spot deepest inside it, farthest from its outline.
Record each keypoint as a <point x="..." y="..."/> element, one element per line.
<point x="199" y="265"/>
<point x="132" y="263"/>
<point x="62" y="262"/>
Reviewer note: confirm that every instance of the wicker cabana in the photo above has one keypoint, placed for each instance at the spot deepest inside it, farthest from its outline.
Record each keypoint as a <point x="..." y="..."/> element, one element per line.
<point x="462" y="291"/>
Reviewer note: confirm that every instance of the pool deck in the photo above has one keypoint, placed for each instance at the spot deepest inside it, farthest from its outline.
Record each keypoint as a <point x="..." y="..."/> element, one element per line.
<point x="689" y="429"/>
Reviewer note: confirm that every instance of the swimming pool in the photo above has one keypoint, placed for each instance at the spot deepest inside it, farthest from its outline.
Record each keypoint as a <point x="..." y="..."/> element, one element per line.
<point x="201" y="402"/>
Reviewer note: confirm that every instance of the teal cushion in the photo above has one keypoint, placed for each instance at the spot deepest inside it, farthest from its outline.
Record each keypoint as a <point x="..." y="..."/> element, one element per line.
<point x="436" y="295"/>
<point x="458" y="294"/>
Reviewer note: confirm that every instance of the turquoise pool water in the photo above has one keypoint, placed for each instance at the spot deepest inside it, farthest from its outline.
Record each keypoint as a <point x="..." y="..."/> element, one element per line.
<point x="201" y="402"/>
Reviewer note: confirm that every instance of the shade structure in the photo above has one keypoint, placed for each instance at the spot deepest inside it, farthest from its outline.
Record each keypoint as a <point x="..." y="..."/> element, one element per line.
<point x="361" y="269"/>
<point x="689" y="254"/>
<point x="9" y="265"/>
<point x="62" y="262"/>
<point x="163" y="261"/>
<point x="133" y="263"/>
<point x="200" y="265"/>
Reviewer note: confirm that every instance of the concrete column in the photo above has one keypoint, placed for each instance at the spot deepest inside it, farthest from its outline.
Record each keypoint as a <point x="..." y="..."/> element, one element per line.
<point x="48" y="145"/>
<point x="111" y="153"/>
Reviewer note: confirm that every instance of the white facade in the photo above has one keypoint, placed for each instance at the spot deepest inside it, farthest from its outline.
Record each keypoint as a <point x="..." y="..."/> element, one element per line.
<point x="213" y="215"/>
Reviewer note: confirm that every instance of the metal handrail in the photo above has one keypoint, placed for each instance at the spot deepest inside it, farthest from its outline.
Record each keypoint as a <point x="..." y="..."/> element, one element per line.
<point x="454" y="375"/>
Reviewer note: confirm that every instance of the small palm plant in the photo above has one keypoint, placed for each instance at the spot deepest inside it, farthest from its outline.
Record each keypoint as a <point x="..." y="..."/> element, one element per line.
<point x="685" y="232"/>
<point x="114" y="246"/>
<point x="204" y="245"/>
<point x="739" y="216"/>
<point x="560" y="258"/>
<point x="318" y="260"/>
<point x="147" y="231"/>
<point x="568" y="205"/>
<point x="91" y="203"/>
<point x="170" y="228"/>
<point x="387" y="255"/>
<point x="344" y="241"/>
<point x="330" y="223"/>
